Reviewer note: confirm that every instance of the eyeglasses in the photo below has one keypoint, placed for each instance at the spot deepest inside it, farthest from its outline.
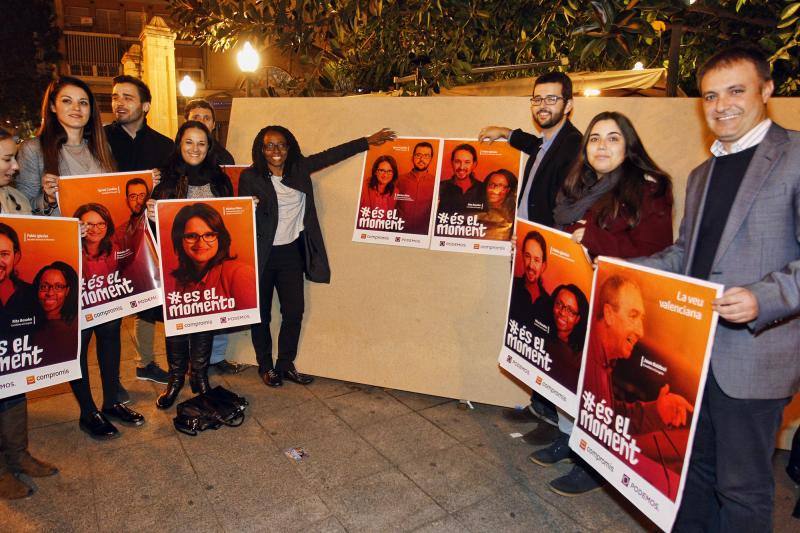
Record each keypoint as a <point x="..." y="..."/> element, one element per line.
<point x="384" y="171"/>
<point x="208" y="238"/>
<point x="550" y="99"/>
<point x="423" y="156"/>
<point x="137" y="196"/>
<point x="271" y="147"/>
<point x="57" y="287"/>
<point x="567" y="310"/>
<point x="99" y="225"/>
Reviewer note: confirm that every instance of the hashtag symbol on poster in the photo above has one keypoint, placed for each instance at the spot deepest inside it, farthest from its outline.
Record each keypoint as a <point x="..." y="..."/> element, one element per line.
<point x="443" y="218"/>
<point x="513" y="326"/>
<point x="588" y="401"/>
<point x="174" y="298"/>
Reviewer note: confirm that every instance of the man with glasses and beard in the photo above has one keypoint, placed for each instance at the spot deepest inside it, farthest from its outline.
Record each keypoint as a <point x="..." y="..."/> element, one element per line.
<point x="551" y="156"/>
<point x="415" y="190"/>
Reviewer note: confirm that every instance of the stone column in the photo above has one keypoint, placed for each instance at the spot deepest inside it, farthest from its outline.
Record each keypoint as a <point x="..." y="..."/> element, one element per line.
<point x="158" y="72"/>
<point x="132" y="61"/>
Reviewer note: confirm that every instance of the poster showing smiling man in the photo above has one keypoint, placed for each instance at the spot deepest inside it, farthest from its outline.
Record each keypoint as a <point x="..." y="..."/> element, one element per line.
<point x="208" y="263"/>
<point x="120" y="265"/>
<point x="476" y="197"/>
<point x="396" y="189"/>
<point x="39" y="302"/>
<point x="548" y="310"/>
<point x="644" y="369"/>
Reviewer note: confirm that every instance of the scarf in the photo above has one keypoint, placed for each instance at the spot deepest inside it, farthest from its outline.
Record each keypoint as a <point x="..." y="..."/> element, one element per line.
<point x="569" y="211"/>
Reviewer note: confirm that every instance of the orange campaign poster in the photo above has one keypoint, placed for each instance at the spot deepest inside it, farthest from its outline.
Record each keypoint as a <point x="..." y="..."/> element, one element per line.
<point x="234" y="172"/>
<point x="548" y="310"/>
<point x="476" y="197"/>
<point x="396" y="190"/>
<point x="120" y="265"/>
<point x="40" y="294"/>
<point x="208" y="263"/>
<point x="644" y="370"/>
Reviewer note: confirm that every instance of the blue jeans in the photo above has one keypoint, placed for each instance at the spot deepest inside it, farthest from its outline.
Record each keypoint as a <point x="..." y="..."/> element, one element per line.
<point x="219" y="347"/>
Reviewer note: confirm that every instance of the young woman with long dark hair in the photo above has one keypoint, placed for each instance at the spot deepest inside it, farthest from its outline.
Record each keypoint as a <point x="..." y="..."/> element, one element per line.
<point x="190" y="172"/>
<point x="289" y="237"/>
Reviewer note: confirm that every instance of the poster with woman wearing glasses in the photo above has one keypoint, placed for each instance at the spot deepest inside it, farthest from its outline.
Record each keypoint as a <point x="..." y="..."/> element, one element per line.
<point x="476" y="197"/>
<point x="396" y="188"/>
<point x="208" y="263"/>
<point x="39" y="302"/>
<point x="120" y="264"/>
<point x="548" y="313"/>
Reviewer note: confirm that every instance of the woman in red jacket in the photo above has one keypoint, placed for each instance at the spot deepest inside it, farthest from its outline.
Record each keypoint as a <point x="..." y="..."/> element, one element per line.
<point x="617" y="202"/>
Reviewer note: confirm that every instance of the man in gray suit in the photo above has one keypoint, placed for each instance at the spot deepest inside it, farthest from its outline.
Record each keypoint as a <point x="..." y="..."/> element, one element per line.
<point x="741" y="228"/>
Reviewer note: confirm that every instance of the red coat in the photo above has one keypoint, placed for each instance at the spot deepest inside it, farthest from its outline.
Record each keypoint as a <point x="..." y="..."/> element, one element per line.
<point x="651" y="235"/>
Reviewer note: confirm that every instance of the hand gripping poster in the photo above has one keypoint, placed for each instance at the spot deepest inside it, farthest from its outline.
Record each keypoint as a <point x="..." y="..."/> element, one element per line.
<point x="644" y="370"/>
<point x="40" y="290"/>
<point x="396" y="191"/>
<point x="120" y="264"/>
<point x="476" y="197"/>
<point x="548" y="310"/>
<point x="234" y="172"/>
<point x="208" y="263"/>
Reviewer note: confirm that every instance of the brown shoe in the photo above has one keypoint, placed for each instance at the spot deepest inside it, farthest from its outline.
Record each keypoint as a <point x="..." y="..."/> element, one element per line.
<point x="271" y="378"/>
<point x="13" y="489"/>
<point x="36" y="468"/>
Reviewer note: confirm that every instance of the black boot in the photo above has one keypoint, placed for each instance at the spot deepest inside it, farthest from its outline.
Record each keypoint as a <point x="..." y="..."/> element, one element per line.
<point x="177" y="360"/>
<point x="793" y="468"/>
<point x="200" y="353"/>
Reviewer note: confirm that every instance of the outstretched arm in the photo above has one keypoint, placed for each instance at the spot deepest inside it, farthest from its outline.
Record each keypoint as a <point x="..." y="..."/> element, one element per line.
<point x="334" y="155"/>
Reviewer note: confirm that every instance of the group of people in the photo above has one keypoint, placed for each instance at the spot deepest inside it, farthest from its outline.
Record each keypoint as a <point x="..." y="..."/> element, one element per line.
<point x="72" y="141"/>
<point x="740" y="227"/>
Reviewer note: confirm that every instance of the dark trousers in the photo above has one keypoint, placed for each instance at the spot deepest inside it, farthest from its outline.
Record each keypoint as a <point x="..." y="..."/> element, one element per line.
<point x="108" y="353"/>
<point x="13" y="432"/>
<point x="284" y="275"/>
<point x="194" y="348"/>
<point x="729" y="485"/>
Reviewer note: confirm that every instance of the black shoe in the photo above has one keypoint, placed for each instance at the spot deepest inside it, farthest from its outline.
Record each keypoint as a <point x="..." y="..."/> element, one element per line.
<point x="98" y="427"/>
<point x="124" y="414"/>
<point x="229" y="367"/>
<point x="123" y="396"/>
<point x="167" y="398"/>
<point x="542" y="435"/>
<point x="523" y="415"/>
<point x="555" y="453"/>
<point x="297" y="377"/>
<point x="271" y="378"/>
<point x="546" y="412"/>
<point x="794" y="472"/>
<point x="579" y="480"/>
<point x="152" y="372"/>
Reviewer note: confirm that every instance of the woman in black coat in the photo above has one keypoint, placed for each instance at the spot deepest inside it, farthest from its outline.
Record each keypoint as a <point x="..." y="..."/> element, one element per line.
<point x="289" y="237"/>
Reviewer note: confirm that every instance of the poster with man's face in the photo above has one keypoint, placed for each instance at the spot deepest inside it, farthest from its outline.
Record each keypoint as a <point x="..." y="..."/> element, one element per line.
<point x="120" y="265"/>
<point x="396" y="192"/>
<point x="40" y="264"/>
<point x="644" y="370"/>
<point x="476" y="198"/>
<point x="208" y="263"/>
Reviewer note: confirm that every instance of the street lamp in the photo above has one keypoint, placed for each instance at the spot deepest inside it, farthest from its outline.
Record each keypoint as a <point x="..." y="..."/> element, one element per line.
<point x="248" y="60"/>
<point x="187" y="87"/>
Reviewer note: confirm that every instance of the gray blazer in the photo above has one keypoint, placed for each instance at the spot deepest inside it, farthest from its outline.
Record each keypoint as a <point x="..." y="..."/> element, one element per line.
<point x="760" y="250"/>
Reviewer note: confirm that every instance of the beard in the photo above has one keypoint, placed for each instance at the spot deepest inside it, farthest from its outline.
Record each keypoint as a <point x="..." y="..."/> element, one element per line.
<point x="550" y="120"/>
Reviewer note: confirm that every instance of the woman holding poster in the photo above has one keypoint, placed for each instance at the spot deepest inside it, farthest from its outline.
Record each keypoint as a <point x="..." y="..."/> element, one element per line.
<point x="378" y="192"/>
<point x="615" y="201"/>
<point x="501" y="196"/>
<point x="189" y="173"/>
<point x="289" y="238"/>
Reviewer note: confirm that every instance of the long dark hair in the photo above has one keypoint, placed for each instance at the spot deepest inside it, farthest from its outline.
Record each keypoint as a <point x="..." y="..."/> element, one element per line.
<point x="510" y="200"/>
<point x="293" y="154"/>
<point x="174" y="180"/>
<point x="625" y="198"/>
<point x="52" y="134"/>
<point x="70" y="308"/>
<point x="106" y="243"/>
<point x="186" y="272"/>
<point x="373" y="178"/>
<point x="578" y="335"/>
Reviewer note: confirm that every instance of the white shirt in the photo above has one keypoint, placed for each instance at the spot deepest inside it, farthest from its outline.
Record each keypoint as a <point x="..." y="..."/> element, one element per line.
<point x="748" y="140"/>
<point x="291" y="208"/>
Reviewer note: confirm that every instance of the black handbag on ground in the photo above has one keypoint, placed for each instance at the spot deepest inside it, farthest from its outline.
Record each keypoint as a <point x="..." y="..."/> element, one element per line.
<point x="217" y="407"/>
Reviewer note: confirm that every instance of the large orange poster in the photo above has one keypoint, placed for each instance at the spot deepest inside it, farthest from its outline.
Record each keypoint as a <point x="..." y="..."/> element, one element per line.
<point x="120" y="267"/>
<point x="644" y="369"/>
<point x="208" y="263"/>
<point x="40" y="295"/>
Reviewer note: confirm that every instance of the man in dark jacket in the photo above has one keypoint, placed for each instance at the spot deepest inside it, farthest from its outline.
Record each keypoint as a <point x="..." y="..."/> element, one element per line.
<point x="202" y="111"/>
<point x="551" y="157"/>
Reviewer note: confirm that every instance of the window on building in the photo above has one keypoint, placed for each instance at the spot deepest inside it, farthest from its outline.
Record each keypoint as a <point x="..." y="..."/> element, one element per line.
<point x="108" y="21"/>
<point x="78" y="17"/>
<point x="134" y="22"/>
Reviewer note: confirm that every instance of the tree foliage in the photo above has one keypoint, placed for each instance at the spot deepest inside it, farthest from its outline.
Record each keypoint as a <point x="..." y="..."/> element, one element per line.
<point x="29" y="44"/>
<point x="348" y="45"/>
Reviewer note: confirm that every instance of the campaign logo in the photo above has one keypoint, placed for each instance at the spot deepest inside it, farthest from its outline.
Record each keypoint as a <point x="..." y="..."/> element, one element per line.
<point x="538" y="380"/>
<point x="178" y="326"/>
<point x="223" y="320"/>
<point x="363" y="235"/>
<point x="133" y="305"/>
<point x="397" y="239"/>
<point x="508" y="359"/>
<point x="626" y="479"/>
<point x="30" y="380"/>
<point x="476" y="246"/>
<point x="583" y="444"/>
<point x="89" y="317"/>
<point x="441" y="243"/>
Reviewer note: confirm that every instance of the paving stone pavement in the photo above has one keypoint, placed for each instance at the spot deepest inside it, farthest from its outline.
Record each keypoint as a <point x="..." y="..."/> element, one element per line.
<point x="378" y="460"/>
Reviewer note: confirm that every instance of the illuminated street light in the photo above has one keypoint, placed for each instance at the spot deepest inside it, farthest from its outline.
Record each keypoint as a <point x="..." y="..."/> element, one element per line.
<point x="638" y="66"/>
<point x="247" y="58"/>
<point x="591" y="92"/>
<point x="187" y="87"/>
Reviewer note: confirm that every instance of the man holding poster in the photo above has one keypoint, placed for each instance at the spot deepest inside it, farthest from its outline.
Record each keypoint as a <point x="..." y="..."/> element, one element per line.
<point x="740" y="228"/>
